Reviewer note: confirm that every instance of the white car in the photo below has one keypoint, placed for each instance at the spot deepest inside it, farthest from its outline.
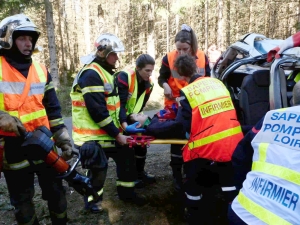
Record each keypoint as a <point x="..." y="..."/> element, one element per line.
<point x="255" y="85"/>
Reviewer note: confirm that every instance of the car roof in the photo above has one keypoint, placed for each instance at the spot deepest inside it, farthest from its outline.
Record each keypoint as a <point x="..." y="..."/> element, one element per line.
<point x="291" y="52"/>
<point x="256" y="44"/>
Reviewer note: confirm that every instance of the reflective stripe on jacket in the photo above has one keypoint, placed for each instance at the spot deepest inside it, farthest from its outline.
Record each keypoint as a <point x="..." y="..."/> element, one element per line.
<point x="134" y="105"/>
<point x="176" y="82"/>
<point x="215" y="131"/>
<point x="270" y="193"/>
<point x="22" y="97"/>
<point x="84" y="127"/>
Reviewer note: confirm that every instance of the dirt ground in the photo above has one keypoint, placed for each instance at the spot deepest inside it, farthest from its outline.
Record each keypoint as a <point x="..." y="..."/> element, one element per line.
<point x="164" y="206"/>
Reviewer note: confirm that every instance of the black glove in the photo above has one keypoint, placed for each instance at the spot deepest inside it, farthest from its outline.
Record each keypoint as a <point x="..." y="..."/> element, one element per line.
<point x="92" y="156"/>
<point x="38" y="144"/>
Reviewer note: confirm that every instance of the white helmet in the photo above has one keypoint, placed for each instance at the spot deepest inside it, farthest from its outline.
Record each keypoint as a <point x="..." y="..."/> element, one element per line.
<point x="104" y="44"/>
<point x="18" y="22"/>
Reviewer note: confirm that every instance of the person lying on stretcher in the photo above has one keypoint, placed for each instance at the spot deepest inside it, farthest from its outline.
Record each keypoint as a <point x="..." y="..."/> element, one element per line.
<point x="156" y="127"/>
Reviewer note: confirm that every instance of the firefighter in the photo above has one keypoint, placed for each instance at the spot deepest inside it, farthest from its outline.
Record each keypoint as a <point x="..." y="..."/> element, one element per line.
<point x="171" y="82"/>
<point x="28" y="100"/>
<point x="135" y="87"/>
<point x="209" y="118"/>
<point x="156" y="127"/>
<point x="266" y="168"/>
<point x="96" y="128"/>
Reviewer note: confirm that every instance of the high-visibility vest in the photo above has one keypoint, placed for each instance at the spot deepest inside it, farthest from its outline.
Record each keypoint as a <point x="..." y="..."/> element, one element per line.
<point x="270" y="193"/>
<point x="215" y="130"/>
<point x="176" y="82"/>
<point x="134" y="104"/>
<point x="22" y="97"/>
<point x="84" y="127"/>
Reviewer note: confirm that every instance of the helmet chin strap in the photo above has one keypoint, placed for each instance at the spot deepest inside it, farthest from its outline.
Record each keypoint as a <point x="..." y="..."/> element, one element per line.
<point x="15" y="54"/>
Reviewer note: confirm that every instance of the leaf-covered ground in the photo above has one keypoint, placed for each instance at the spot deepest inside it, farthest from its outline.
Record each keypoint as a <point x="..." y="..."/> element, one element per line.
<point x="164" y="206"/>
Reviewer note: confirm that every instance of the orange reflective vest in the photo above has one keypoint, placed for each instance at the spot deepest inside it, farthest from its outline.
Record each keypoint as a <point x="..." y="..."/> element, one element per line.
<point x="22" y="97"/>
<point x="176" y="82"/>
<point x="215" y="131"/>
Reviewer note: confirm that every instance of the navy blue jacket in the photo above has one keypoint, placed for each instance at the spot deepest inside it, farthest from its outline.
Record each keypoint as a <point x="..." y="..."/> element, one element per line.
<point x="166" y="129"/>
<point x="95" y="101"/>
<point x="242" y="156"/>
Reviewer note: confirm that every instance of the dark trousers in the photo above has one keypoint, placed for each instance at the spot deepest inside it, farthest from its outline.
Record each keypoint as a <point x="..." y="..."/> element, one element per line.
<point x="209" y="188"/>
<point x="233" y="218"/>
<point x="176" y="162"/>
<point x="20" y="184"/>
<point x="126" y="171"/>
<point x="140" y="158"/>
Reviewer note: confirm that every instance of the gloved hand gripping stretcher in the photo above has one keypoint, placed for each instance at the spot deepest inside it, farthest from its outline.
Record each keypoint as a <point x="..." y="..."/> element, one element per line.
<point x="38" y="145"/>
<point x="145" y="140"/>
<point x="168" y="113"/>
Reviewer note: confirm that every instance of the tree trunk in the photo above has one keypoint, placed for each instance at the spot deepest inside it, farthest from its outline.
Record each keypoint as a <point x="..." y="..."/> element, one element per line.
<point x="251" y="17"/>
<point x="151" y="34"/>
<point x="267" y="18"/>
<point x="51" y="43"/>
<point x="220" y="38"/>
<point x="228" y="24"/>
<point x="168" y="29"/>
<point x="60" y="9"/>
<point x="86" y="27"/>
<point x="206" y="24"/>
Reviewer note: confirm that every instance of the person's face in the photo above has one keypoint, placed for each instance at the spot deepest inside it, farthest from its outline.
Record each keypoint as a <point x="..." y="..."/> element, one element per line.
<point x="24" y="44"/>
<point x="183" y="48"/>
<point x="139" y="117"/>
<point x="146" y="72"/>
<point x="112" y="58"/>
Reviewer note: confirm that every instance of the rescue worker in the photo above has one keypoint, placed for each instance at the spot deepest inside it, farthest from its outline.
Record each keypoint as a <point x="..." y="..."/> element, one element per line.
<point x="266" y="167"/>
<point x="171" y="82"/>
<point x="96" y="127"/>
<point x="135" y="87"/>
<point x="156" y="127"/>
<point x="209" y="118"/>
<point x="28" y="100"/>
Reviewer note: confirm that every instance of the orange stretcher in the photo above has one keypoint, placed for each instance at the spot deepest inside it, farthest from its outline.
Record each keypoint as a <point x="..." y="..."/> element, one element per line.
<point x="145" y="140"/>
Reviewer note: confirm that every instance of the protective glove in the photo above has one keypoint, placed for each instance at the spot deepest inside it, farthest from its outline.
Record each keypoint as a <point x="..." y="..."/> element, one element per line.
<point x="132" y="128"/>
<point x="10" y="123"/>
<point x="66" y="151"/>
<point x="38" y="144"/>
<point x="92" y="155"/>
<point x="63" y="141"/>
<point x="187" y="135"/>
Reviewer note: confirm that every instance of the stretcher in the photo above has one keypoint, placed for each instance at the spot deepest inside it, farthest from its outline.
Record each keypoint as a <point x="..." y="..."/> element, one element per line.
<point x="145" y="140"/>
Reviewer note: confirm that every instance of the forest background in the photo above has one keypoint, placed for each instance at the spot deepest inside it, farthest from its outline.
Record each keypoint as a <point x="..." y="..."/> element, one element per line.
<point x="70" y="27"/>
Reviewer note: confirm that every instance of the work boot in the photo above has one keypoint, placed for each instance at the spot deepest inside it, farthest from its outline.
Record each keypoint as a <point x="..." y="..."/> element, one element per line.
<point x="146" y="177"/>
<point x="136" y="199"/>
<point x="177" y="184"/>
<point x="92" y="206"/>
<point x="143" y="179"/>
<point x="139" y="184"/>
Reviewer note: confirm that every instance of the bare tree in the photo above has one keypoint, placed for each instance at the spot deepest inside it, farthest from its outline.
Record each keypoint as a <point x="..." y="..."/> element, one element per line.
<point x="51" y="43"/>
<point x="220" y="37"/>
<point x="206" y="24"/>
